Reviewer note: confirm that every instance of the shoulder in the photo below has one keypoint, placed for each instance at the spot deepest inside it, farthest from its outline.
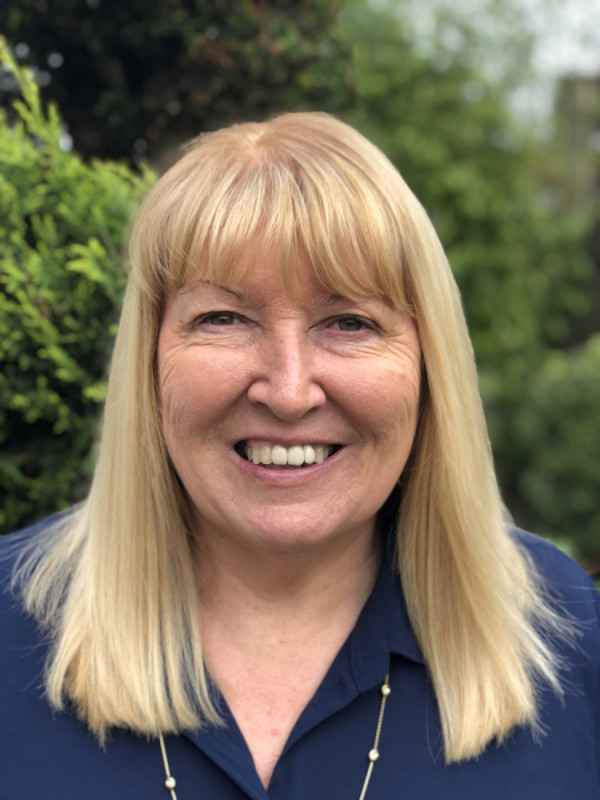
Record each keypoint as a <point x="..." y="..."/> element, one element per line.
<point x="23" y="649"/>
<point x="23" y="642"/>
<point x="570" y="592"/>
<point x="15" y="546"/>
<point x="20" y="553"/>
<point x="558" y="573"/>
<point x="564" y="581"/>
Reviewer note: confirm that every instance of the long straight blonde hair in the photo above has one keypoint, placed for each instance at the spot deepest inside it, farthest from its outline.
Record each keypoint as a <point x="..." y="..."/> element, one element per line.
<point x="113" y="582"/>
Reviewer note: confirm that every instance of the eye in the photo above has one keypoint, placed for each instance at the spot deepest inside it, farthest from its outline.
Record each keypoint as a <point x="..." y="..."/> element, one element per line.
<point x="351" y="324"/>
<point x="218" y="318"/>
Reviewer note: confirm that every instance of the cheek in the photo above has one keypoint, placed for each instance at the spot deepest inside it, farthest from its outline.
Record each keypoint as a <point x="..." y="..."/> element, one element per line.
<point x="390" y="400"/>
<point x="196" y="389"/>
<point x="180" y="394"/>
<point x="388" y="388"/>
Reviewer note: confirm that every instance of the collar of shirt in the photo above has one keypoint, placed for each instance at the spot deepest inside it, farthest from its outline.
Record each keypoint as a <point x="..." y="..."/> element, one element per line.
<point x="383" y="629"/>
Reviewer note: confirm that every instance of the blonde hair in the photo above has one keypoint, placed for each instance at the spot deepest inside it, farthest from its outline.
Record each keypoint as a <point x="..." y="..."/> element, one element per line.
<point x="114" y="582"/>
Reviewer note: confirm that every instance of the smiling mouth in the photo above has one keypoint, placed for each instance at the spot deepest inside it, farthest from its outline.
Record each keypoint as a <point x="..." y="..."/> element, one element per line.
<point x="296" y="456"/>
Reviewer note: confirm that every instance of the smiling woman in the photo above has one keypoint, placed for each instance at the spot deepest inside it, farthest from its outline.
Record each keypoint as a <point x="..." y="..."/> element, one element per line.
<point x="293" y="575"/>
<point x="273" y="369"/>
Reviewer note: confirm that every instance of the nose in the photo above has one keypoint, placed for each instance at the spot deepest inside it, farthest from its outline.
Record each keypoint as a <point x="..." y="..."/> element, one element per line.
<point x="286" y="381"/>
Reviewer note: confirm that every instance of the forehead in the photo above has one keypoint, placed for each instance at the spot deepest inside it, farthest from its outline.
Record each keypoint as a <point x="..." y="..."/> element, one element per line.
<point x="266" y="267"/>
<point x="259" y="281"/>
<point x="343" y="204"/>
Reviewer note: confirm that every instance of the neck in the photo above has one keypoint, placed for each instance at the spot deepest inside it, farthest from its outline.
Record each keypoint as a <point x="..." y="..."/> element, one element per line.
<point x="272" y="623"/>
<point x="287" y="584"/>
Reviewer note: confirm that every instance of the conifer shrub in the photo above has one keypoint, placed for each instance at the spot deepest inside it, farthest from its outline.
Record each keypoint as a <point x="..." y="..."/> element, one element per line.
<point x="62" y="272"/>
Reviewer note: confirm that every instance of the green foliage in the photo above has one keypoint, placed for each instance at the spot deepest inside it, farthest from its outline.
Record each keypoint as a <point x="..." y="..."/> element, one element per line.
<point x="62" y="224"/>
<point x="552" y="472"/>
<point x="134" y="81"/>
<point x="567" y="385"/>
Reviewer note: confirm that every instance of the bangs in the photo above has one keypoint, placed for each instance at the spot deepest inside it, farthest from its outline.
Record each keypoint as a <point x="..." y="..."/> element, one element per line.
<point x="207" y="215"/>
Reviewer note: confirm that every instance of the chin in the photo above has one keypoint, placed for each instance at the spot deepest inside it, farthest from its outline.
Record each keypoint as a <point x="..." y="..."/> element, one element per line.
<point x="289" y="535"/>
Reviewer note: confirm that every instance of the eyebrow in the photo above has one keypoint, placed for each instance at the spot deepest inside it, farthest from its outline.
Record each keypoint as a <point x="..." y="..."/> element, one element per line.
<point x="329" y="299"/>
<point x="185" y="290"/>
<point x="332" y="299"/>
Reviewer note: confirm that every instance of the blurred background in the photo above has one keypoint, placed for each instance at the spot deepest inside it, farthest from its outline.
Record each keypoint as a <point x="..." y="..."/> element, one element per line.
<point x="489" y="108"/>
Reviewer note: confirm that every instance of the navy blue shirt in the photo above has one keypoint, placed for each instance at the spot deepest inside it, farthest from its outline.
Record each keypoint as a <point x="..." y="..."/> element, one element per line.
<point x="46" y="755"/>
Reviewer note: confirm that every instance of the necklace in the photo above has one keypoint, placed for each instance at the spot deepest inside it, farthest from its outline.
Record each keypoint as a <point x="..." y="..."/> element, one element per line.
<point x="373" y="754"/>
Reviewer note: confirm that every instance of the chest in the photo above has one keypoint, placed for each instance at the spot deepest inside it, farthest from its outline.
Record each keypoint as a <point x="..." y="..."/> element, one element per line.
<point x="325" y="756"/>
<point x="267" y="703"/>
<point x="327" y="761"/>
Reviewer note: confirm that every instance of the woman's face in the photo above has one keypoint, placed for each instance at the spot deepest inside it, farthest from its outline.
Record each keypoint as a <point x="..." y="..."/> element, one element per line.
<point x="251" y="376"/>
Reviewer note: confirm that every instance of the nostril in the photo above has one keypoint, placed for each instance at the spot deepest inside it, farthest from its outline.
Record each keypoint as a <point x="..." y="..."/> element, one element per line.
<point x="287" y="398"/>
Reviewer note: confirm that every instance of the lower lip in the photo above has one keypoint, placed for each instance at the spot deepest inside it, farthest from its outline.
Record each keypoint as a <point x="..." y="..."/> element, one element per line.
<point x="286" y="476"/>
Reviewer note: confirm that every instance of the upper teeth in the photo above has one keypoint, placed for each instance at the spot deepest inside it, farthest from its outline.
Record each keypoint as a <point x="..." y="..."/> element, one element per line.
<point x="296" y="455"/>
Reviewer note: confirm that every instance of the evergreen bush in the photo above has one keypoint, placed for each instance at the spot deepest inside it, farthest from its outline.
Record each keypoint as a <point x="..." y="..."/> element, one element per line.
<point x="62" y="271"/>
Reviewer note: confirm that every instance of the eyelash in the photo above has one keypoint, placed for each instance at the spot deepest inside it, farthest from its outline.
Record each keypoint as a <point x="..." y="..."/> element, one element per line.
<point x="212" y="315"/>
<point x="233" y="319"/>
<point x="364" y="323"/>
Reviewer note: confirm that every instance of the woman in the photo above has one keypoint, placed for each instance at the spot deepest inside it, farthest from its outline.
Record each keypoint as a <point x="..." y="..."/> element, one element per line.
<point x="293" y="422"/>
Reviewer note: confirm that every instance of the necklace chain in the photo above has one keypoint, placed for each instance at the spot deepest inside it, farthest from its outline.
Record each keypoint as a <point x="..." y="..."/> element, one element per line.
<point x="373" y="754"/>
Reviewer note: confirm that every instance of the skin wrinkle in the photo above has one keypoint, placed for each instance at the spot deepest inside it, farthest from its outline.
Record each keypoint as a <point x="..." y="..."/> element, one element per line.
<point x="286" y="370"/>
<point x="185" y="313"/>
